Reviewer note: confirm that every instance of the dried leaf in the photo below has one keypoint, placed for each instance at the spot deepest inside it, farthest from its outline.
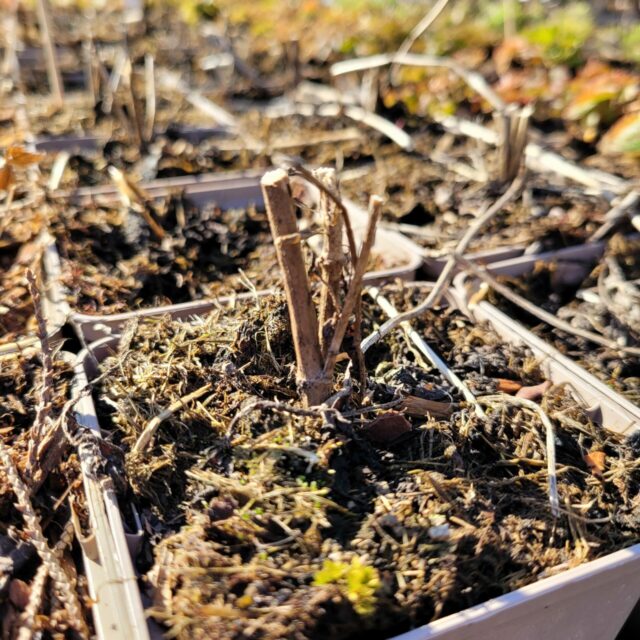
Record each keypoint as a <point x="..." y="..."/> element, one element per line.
<point x="599" y="91"/>
<point x="596" y="461"/>
<point x="586" y="101"/>
<point x="536" y="84"/>
<point x="20" y="157"/>
<point x="6" y="178"/>
<point x="386" y="428"/>
<point x="623" y="137"/>
<point x="420" y="407"/>
<point x="515" y="48"/>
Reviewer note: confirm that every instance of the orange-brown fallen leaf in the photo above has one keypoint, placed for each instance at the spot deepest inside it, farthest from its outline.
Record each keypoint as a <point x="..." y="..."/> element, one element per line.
<point x="415" y="406"/>
<point x="596" y="461"/>
<point x="6" y="178"/>
<point x="623" y="137"/>
<point x="20" y="157"/>
<point x="508" y="386"/>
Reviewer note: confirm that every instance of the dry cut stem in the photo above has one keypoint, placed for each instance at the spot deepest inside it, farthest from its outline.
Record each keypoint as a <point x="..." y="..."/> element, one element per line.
<point x="513" y="140"/>
<point x="299" y="170"/>
<point x="539" y="159"/>
<point x="355" y="288"/>
<point x="150" y="96"/>
<point x="314" y="383"/>
<point x="332" y="258"/>
<point x="46" y="394"/>
<point x="316" y="353"/>
<point x="65" y="590"/>
<point x="53" y="72"/>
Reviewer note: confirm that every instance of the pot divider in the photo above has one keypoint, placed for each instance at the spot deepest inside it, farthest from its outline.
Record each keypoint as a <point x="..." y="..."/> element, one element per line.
<point x="434" y="265"/>
<point x="91" y="144"/>
<point x="106" y="552"/>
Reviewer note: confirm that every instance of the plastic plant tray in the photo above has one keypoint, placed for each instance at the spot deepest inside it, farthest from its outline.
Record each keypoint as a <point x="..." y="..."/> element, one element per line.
<point x="90" y="144"/>
<point x="607" y="406"/>
<point x="78" y="144"/>
<point x="433" y="266"/>
<point x="588" y="602"/>
<point x="229" y="191"/>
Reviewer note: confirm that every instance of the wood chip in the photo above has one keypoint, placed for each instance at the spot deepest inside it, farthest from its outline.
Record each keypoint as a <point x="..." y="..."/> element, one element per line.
<point x="508" y="386"/>
<point x="420" y="407"/>
<point x="386" y="428"/>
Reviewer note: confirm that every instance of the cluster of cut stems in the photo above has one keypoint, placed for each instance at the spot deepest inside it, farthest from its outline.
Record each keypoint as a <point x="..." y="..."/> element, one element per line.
<point x="317" y="336"/>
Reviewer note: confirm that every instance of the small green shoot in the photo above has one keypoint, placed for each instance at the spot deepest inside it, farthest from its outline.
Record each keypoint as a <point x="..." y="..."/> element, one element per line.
<point x="357" y="581"/>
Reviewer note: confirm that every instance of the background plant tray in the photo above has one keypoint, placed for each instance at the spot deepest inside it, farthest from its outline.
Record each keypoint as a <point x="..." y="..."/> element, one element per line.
<point x="228" y="191"/>
<point x="434" y="266"/>
<point x="607" y="406"/>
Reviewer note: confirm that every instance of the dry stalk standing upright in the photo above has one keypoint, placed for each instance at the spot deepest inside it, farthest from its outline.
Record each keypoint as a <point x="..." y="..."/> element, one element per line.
<point x="314" y="385"/>
<point x="332" y="259"/>
<point x="316" y="343"/>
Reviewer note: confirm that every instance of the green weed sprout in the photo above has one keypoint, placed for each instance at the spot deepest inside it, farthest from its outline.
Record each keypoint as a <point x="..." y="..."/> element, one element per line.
<point x="357" y="581"/>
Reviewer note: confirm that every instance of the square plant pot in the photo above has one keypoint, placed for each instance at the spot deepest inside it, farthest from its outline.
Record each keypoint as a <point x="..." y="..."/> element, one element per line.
<point x="608" y="407"/>
<point x="590" y="602"/>
<point x="52" y="307"/>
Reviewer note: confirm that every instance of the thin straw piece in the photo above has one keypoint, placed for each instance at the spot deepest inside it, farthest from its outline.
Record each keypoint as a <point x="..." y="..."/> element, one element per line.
<point x="550" y="441"/>
<point x="375" y="294"/>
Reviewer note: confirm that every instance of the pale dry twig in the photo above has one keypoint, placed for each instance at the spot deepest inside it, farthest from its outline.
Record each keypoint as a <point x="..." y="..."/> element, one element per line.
<point x="65" y="590"/>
